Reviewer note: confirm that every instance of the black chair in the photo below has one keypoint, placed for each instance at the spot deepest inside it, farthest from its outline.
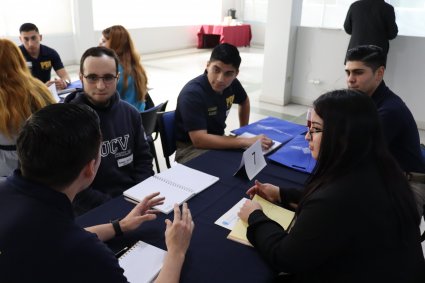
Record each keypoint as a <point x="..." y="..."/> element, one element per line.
<point x="149" y="121"/>
<point x="168" y="136"/>
<point x="149" y="102"/>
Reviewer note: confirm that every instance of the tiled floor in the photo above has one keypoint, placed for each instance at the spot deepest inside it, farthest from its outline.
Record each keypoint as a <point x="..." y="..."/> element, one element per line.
<point x="168" y="72"/>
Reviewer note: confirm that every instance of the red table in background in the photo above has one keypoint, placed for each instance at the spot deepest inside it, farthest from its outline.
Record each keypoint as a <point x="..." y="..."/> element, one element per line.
<point x="236" y="35"/>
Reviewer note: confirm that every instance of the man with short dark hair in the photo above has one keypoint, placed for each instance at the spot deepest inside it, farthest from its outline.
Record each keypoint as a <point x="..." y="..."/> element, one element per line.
<point x="204" y="103"/>
<point x="58" y="149"/>
<point x="126" y="159"/>
<point x="41" y="58"/>
<point x="365" y="68"/>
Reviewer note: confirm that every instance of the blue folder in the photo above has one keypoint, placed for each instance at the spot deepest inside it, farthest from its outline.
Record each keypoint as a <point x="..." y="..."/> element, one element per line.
<point x="75" y="84"/>
<point x="274" y="128"/>
<point x="295" y="154"/>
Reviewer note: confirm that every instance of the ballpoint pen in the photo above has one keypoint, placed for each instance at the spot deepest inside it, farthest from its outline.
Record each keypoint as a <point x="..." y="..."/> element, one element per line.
<point x="121" y="252"/>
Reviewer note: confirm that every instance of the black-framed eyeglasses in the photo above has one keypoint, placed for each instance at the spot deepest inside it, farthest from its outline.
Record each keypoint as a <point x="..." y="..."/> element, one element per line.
<point x="312" y="131"/>
<point x="94" y="79"/>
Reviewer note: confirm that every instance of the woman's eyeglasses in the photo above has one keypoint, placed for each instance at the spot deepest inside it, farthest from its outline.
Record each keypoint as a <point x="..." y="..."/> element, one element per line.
<point x="312" y="131"/>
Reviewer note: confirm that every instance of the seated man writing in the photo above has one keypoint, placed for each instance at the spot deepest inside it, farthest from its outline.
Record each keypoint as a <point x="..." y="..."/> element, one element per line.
<point x="204" y="103"/>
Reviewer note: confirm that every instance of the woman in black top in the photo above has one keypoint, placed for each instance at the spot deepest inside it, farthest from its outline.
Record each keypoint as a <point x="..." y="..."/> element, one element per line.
<point x="357" y="221"/>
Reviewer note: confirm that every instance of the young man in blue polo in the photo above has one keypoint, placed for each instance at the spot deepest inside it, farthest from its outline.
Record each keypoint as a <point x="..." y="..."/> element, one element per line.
<point x="41" y="58"/>
<point x="204" y="104"/>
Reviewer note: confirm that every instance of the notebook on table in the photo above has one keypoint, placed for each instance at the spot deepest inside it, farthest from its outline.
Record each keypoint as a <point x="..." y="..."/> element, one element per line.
<point x="142" y="262"/>
<point x="177" y="184"/>
<point x="279" y="214"/>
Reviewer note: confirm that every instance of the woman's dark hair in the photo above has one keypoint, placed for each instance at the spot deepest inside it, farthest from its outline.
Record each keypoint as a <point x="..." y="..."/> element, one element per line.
<point x="351" y="137"/>
<point x="57" y="141"/>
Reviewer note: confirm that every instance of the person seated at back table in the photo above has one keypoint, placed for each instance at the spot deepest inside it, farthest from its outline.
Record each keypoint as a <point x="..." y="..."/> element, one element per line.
<point x="40" y="58"/>
<point x="204" y="103"/>
<point x="126" y="159"/>
<point x="365" y="68"/>
<point x="20" y="95"/>
<point x="133" y="82"/>
<point x="357" y="221"/>
<point x="59" y="154"/>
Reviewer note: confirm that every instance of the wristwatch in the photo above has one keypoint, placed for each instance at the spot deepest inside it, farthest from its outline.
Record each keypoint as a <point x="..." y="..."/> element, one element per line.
<point x="117" y="228"/>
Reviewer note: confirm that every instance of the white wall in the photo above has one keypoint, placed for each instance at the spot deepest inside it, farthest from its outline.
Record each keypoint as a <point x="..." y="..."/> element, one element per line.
<point x="151" y="40"/>
<point x="319" y="67"/>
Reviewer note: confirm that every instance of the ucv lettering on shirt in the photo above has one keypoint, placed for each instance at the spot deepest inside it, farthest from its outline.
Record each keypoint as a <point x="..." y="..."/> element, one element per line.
<point x="115" y="145"/>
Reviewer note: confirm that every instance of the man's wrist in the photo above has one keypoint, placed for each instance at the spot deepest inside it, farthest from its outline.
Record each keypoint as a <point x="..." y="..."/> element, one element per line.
<point x="117" y="227"/>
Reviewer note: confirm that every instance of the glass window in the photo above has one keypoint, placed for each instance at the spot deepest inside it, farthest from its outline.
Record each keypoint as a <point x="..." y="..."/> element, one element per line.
<point x="155" y="13"/>
<point x="29" y="11"/>
<point x="255" y="10"/>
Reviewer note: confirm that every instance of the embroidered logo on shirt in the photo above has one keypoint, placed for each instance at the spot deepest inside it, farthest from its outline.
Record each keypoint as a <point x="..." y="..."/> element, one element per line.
<point x="46" y="65"/>
<point x="212" y="111"/>
<point x="229" y="101"/>
<point x="115" y="145"/>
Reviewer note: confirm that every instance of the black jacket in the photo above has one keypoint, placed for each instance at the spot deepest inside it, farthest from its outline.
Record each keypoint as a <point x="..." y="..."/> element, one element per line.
<point x="371" y="22"/>
<point x="346" y="231"/>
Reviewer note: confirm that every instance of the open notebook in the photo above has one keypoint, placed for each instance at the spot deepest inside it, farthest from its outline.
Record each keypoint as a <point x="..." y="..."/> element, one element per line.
<point x="177" y="184"/>
<point x="142" y="262"/>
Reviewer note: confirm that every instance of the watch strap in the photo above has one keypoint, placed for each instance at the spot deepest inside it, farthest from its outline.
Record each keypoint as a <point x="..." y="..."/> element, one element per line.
<point x="117" y="227"/>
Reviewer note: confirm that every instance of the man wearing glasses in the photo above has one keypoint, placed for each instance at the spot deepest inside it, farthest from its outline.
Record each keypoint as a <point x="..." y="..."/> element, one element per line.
<point x="126" y="159"/>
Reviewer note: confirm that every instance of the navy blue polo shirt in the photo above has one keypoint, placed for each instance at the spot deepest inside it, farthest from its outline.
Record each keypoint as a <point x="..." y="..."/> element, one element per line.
<point x="40" y="242"/>
<point x="41" y="67"/>
<point x="199" y="107"/>
<point x="400" y="129"/>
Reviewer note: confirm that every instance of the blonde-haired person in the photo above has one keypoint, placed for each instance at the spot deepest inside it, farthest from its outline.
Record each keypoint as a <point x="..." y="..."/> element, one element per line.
<point x="20" y="95"/>
<point x="132" y="83"/>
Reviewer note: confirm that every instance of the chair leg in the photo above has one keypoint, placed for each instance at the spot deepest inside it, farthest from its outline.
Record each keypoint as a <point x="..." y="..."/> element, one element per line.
<point x="155" y="157"/>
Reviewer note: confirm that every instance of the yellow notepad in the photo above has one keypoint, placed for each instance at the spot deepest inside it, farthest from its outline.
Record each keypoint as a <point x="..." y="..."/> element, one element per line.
<point x="279" y="214"/>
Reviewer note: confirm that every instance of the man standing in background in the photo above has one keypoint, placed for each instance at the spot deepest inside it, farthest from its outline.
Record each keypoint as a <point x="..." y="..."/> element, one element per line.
<point x="371" y="22"/>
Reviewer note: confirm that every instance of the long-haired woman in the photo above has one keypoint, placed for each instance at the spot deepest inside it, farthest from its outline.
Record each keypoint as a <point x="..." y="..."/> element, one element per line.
<point x="20" y="95"/>
<point x="357" y="221"/>
<point x="132" y="83"/>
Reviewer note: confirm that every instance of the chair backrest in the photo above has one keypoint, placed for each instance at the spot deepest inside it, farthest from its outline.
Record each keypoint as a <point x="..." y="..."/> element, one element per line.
<point x="149" y="102"/>
<point x="168" y="135"/>
<point x="149" y="118"/>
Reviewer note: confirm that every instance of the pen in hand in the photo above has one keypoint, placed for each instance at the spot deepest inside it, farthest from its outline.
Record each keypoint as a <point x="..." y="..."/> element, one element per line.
<point x="121" y="252"/>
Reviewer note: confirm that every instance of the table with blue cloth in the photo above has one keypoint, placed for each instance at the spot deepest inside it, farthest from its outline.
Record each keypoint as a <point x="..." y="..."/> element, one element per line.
<point x="211" y="257"/>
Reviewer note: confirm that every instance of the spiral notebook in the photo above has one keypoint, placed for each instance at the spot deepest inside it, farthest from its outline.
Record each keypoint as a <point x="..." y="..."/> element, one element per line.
<point x="142" y="262"/>
<point x="177" y="184"/>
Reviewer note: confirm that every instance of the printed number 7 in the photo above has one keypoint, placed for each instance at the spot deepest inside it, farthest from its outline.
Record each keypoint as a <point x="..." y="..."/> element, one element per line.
<point x="254" y="156"/>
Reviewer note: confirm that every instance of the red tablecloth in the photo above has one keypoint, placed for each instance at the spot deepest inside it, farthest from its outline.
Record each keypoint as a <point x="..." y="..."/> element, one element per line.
<point x="235" y="35"/>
